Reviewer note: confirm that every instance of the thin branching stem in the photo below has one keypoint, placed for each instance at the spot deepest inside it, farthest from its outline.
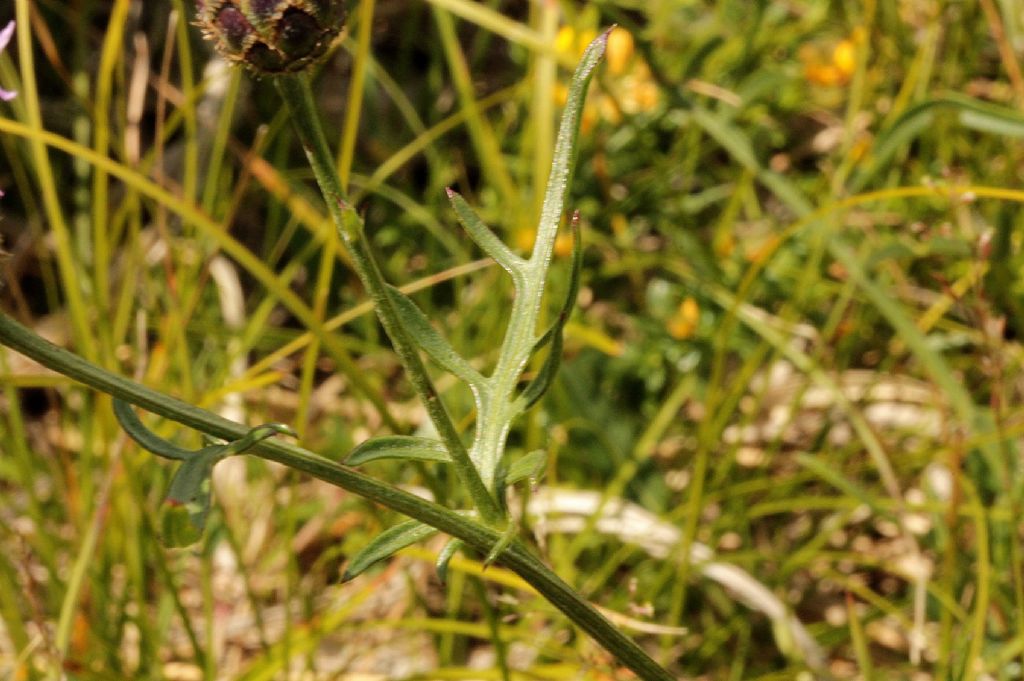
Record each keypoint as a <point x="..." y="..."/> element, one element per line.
<point x="496" y="414"/>
<point x="298" y="97"/>
<point x="481" y="537"/>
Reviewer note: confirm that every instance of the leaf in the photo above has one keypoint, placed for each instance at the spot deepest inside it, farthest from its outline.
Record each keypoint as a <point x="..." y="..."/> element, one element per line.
<point x="386" y="544"/>
<point x="177" y="529"/>
<point x="155" y="444"/>
<point x="542" y="381"/>
<point x="398" y="447"/>
<point x="565" y="148"/>
<point x="445" y="557"/>
<point x="739" y="145"/>
<point x="506" y="538"/>
<point x="187" y="504"/>
<point x="486" y="239"/>
<point x="144" y="437"/>
<point x="970" y="112"/>
<point x="432" y="342"/>
<point x="184" y="510"/>
<point x="529" y="466"/>
<point x="254" y="436"/>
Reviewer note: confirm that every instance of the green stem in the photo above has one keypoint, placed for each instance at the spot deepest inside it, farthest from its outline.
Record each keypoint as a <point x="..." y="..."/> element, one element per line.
<point x="298" y="97"/>
<point x="516" y="557"/>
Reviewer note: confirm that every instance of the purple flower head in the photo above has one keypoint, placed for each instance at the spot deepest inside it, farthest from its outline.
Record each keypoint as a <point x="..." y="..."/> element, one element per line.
<point x="5" y="37"/>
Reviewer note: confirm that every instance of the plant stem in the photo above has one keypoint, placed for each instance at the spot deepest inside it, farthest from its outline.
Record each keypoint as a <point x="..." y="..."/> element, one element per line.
<point x="298" y="97"/>
<point x="516" y="557"/>
<point x="497" y="411"/>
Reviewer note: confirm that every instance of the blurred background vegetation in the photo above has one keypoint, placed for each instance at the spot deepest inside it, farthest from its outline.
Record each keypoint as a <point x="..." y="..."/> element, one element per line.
<point x="797" y="353"/>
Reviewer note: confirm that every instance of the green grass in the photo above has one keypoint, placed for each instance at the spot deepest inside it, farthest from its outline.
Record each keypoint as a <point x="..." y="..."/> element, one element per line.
<point x="841" y="421"/>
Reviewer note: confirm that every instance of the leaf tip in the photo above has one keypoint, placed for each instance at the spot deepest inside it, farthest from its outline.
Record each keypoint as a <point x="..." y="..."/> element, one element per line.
<point x="601" y="41"/>
<point x="278" y="429"/>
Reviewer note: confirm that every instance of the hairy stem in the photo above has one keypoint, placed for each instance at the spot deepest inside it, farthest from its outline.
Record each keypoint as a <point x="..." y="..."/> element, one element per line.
<point x="516" y="557"/>
<point x="298" y="97"/>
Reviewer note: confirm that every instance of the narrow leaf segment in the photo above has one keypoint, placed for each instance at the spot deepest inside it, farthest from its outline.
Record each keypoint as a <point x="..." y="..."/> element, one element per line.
<point x="487" y="240"/>
<point x="386" y="544"/>
<point x="184" y="511"/>
<point x="398" y="447"/>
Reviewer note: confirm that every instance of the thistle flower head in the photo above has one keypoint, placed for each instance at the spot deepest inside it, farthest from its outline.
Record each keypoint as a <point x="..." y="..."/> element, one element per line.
<point x="271" y="36"/>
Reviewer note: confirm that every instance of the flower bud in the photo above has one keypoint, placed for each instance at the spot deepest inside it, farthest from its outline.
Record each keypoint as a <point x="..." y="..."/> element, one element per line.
<point x="272" y="36"/>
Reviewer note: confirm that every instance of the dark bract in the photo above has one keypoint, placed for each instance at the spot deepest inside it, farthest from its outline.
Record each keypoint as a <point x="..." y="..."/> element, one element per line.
<point x="272" y="36"/>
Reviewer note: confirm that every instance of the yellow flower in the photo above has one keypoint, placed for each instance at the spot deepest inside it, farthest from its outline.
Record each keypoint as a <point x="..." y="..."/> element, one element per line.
<point x="633" y="90"/>
<point x="683" y="323"/>
<point x="838" y="69"/>
<point x="844" y="57"/>
<point x="619" y="51"/>
<point x="573" y="43"/>
<point x="565" y="41"/>
<point x="524" y="238"/>
<point x="563" y="245"/>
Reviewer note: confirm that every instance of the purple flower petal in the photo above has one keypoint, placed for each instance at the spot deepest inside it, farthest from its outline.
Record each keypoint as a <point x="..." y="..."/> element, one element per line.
<point x="5" y="34"/>
<point x="5" y="38"/>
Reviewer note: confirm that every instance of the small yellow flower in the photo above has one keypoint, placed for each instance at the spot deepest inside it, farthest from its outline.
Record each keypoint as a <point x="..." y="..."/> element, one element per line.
<point x="619" y="51"/>
<point x="563" y="245"/>
<point x="632" y="89"/>
<point x="823" y="74"/>
<point x="844" y="57"/>
<point x="524" y="238"/>
<point x="565" y="41"/>
<point x="683" y="323"/>
<point x="836" y="70"/>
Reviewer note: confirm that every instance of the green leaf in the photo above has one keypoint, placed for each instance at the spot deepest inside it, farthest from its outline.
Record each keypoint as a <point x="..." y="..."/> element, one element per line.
<point x="972" y="113"/>
<point x="486" y="239"/>
<point x="386" y="544"/>
<point x="177" y="529"/>
<point x="432" y="342"/>
<point x="155" y="444"/>
<point x="507" y="537"/>
<point x="184" y="510"/>
<point x="445" y="557"/>
<point x="739" y="145"/>
<point x="527" y="467"/>
<point x="398" y="447"/>
<point x="254" y="436"/>
<point x="565" y="148"/>
<point x="542" y="381"/>
<point x="144" y="437"/>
